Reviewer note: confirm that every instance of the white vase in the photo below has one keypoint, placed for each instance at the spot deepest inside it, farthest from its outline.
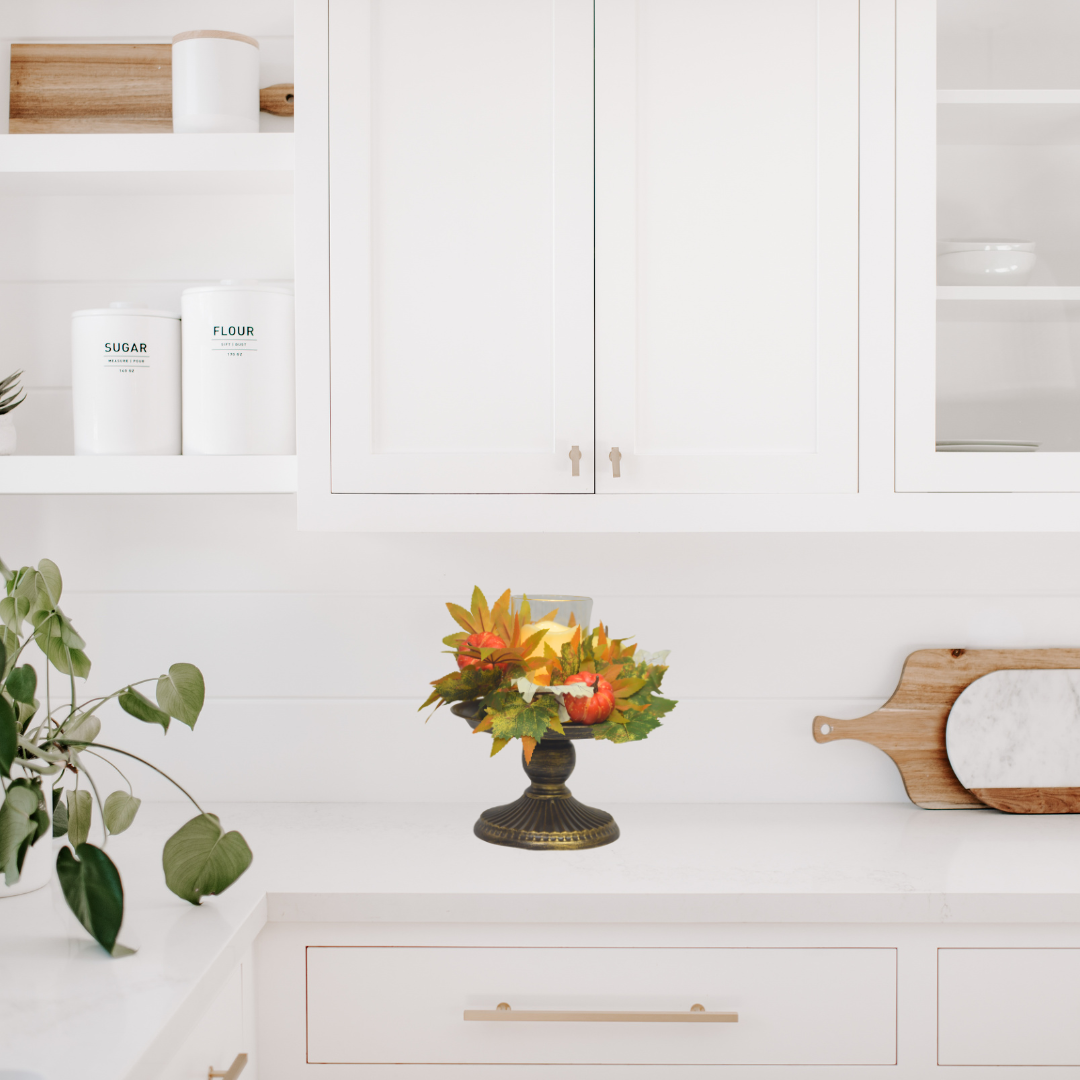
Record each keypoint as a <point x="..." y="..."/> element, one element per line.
<point x="7" y="435"/>
<point x="37" y="868"/>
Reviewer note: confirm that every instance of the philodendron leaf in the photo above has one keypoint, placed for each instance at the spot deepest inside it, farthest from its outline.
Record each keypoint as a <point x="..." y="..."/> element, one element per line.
<point x="66" y="660"/>
<point x="50" y="580"/>
<point x="9" y="737"/>
<point x="85" y="729"/>
<point x="142" y="708"/>
<point x="181" y="693"/>
<point x="120" y="810"/>
<point x="80" y="808"/>
<point x="21" y="684"/>
<point x="200" y="859"/>
<point x="59" y="814"/>
<point x="93" y="891"/>
<point x="17" y="827"/>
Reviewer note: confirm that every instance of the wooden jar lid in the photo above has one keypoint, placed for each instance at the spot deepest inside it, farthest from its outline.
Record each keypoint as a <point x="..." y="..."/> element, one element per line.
<point x="188" y="34"/>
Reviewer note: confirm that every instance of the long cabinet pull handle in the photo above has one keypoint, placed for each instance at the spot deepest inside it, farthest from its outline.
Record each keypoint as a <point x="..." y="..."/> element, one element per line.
<point x="233" y="1071"/>
<point x="615" y="457"/>
<point x="575" y="459"/>
<point x="697" y="1014"/>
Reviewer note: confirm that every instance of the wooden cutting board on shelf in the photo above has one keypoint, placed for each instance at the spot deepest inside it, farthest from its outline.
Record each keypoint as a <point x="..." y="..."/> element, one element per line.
<point x="90" y="88"/>
<point x="910" y="726"/>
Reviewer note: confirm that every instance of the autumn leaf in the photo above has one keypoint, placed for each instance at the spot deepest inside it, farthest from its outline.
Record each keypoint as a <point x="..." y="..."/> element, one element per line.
<point x="632" y="730"/>
<point x="462" y="618"/>
<point x="521" y="719"/>
<point x="497" y="744"/>
<point x="528" y="745"/>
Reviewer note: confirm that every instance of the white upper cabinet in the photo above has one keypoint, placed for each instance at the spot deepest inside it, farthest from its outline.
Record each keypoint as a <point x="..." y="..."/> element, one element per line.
<point x="727" y="225"/>
<point x="988" y="157"/>
<point x="461" y="246"/>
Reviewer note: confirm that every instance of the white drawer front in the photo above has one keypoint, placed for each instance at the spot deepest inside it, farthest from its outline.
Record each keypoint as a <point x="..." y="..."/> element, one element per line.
<point x="1008" y="1006"/>
<point x="377" y="1005"/>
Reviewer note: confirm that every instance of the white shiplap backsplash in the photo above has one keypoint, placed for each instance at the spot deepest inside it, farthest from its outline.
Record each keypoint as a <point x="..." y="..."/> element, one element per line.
<point x="317" y="648"/>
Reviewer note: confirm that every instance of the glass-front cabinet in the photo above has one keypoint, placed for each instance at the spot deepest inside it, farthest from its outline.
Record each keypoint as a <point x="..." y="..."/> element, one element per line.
<point x="988" y="245"/>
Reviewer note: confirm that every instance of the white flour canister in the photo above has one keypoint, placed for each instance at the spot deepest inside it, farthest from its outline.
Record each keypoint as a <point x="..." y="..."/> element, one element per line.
<point x="239" y="369"/>
<point x="125" y="380"/>
<point x="215" y="82"/>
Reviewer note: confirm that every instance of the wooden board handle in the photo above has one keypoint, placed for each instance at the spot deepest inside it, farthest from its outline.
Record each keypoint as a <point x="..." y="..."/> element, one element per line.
<point x="277" y="99"/>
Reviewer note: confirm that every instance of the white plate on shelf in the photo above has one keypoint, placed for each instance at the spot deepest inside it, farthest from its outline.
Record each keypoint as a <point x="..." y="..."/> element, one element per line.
<point x="985" y="446"/>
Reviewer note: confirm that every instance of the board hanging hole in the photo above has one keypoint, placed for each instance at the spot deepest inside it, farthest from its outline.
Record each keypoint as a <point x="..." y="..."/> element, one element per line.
<point x="825" y="729"/>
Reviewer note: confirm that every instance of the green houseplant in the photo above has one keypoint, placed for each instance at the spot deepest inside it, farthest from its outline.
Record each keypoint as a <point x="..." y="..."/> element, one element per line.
<point x="40" y="745"/>
<point x="9" y="400"/>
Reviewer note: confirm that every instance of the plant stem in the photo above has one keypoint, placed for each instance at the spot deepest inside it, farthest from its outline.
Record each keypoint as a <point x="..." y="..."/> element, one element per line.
<point x="117" y="750"/>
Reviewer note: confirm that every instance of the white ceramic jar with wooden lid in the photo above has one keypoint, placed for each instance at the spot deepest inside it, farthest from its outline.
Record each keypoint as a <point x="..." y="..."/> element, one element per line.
<point x="215" y="82"/>
<point x="239" y="368"/>
<point x="125" y="380"/>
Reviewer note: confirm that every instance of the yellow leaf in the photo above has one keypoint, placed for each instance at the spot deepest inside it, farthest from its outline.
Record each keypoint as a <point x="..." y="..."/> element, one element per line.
<point x="461" y="617"/>
<point x="528" y="744"/>
<point x="480" y="608"/>
<point x="497" y="745"/>
<point x="555" y="724"/>
<point x="484" y="725"/>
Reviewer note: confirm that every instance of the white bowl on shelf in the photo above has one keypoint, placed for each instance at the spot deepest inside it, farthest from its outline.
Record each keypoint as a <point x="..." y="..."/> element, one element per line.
<point x="985" y="446"/>
<point x="985" y="262"/>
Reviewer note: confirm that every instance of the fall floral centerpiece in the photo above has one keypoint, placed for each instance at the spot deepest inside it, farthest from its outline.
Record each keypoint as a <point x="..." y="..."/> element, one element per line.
<point x="520" y="677"/>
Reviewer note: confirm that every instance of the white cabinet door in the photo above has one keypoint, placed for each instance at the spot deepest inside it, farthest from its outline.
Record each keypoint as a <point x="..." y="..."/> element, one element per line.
<point x="220" y="1035"/>
<point x="1008" y="1007"/>
<point x="987" y="152"/>
<point x="401" y="1005"/>
<point x="461" y="236"/>
<point x="727" y="245"/>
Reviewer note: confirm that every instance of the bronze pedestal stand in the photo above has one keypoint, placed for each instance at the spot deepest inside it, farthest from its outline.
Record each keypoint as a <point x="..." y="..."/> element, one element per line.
<point x="546" y="817"/>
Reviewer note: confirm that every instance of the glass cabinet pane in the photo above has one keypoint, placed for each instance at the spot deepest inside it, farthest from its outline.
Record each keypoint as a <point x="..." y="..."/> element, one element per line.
<point x="1008" y="226"/>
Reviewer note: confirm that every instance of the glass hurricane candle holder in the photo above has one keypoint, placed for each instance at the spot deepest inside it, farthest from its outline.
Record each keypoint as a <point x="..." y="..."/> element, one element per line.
<point x="541" y="604"/>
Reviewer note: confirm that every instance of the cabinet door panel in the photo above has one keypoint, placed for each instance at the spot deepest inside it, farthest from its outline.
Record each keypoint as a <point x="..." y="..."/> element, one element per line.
<point x="404" y="1005"/>
<point x="727" y="244"/>
<point x="461" y="245"/>
<point x="1008" y="1006"/>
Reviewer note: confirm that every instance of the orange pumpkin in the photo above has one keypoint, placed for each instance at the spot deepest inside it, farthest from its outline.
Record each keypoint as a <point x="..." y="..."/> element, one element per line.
<point x="483" y="640"/>
<point x="590" y="710"/>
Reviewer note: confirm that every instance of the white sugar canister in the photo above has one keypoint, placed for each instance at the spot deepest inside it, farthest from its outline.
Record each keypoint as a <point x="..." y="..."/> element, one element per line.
<point x="125" y="380"/>
<point x="215" y="82"/>
<point x="239" y="369"/>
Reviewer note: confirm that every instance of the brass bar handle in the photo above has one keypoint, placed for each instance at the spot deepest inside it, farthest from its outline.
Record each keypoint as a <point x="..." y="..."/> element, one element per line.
<point x="615" y="457"/>
<point x="233" y="1071"/>
<point x="575" y="461"/>
<point x="697" y="1014"/>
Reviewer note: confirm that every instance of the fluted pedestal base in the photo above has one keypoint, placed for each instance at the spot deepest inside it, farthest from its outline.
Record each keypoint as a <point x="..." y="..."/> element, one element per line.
<point x="547" y="817"/>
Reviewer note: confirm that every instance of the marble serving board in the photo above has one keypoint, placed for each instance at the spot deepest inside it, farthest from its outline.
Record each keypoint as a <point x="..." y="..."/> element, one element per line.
<point x="910" y="726"/>
<point x="1013" y="740"/>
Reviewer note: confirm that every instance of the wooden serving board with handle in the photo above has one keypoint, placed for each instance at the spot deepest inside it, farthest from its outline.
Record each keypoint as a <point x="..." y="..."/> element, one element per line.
<point x="90" y="88"/>
<point x="910" y="726"/>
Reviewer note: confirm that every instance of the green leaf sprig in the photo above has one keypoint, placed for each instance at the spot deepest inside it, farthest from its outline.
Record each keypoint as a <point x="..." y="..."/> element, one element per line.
<point x="38" y="743"/>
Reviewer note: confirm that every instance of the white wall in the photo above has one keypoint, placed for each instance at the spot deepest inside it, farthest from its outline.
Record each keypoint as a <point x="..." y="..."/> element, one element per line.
<point x="317" y="648"/>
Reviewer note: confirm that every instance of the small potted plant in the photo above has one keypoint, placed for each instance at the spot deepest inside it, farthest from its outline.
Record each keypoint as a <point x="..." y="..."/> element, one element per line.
<point x="9" y="400"/>
<point x="511" y="683"/>
<point x="41" y="745"/>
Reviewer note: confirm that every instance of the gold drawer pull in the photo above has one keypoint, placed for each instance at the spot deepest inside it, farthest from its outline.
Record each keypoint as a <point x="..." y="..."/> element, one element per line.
<point x="233" y="1071"/>
<point x="697" y="1015"/>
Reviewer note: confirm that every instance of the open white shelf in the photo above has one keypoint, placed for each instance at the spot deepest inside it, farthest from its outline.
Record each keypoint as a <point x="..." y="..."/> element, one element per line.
<point x="1009" y="117"/>
<point x="1008" y="303"/>
<point x="1008" y="97"/>
<point x="146" y="164"/>
<point x="145" y="475"/>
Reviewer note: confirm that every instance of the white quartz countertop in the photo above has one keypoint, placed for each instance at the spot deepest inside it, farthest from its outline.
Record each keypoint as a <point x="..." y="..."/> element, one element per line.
<point x="66" y="1009"/>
